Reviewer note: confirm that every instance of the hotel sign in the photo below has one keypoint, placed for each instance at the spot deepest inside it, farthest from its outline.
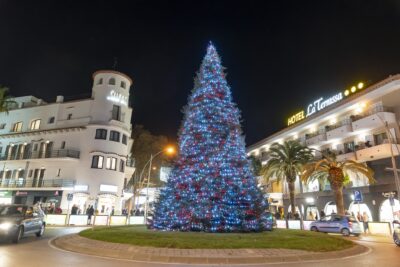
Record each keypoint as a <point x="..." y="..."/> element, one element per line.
<point x="314" y="107"/>
<point x="116" y="97"/>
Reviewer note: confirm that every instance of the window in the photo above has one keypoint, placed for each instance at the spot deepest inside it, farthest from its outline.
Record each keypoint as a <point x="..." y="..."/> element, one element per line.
<point x="35" y="125"/>
<point x="124" y="139"/>
<point x="348" y="147"/>
<point x="17" y="127"/>
<point x="114" y="136"/>
<point x="1" y="149"/>
<point x="2" y="126"/>
<point x="51" y="120"/>
<point x="97" y="162"/>
<point x="30" y="173"/>
<point x="122" y="165"/>
<point x="100" y="81"/>
<point x="123" y="84"/>
<point x="63" y="145"/>
<point x="116" y="113"/>
<point x="111" y="164"/>
<point x="35" y="147"/>
<point x="101" y="134"/>
<point x="111" y="81"/>
<point x="69" y="116"/>
<point x="380" y="138"/>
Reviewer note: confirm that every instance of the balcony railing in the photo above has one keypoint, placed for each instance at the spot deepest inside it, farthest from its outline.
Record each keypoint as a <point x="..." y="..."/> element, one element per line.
<point x="35" y="183"/>
<point x="61" y="153"/>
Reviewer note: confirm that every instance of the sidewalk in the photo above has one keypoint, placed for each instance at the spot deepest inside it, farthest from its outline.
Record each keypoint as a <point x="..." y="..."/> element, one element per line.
<point x="76" y="243"/>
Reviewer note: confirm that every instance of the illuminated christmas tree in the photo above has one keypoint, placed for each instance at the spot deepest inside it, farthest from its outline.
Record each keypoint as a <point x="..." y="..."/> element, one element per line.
<point x="211" y="187"/>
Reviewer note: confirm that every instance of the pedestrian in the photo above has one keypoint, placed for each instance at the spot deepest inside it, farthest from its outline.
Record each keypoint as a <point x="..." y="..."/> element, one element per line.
<point x="74" y="210"/>
<point x="365" y="218"/>
<point x="90" y="212"/>
<point x="359" y="217"/>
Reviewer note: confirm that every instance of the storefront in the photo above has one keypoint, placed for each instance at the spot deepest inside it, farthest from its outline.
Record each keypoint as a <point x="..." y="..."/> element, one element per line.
<point x="360" y="208"/>
<point x="47" y="198"/>
<point x="106" y="203"/>
<point x="389" y="210"/>
<point x="5" y="197"/>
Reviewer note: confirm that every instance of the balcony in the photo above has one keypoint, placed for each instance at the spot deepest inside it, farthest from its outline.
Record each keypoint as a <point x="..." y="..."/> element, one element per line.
<point x="376" y="152"/>
<point x="36" y="183"/>
<point x="315" y="138"/>
<point x="346" y="156"/>
<point x="339" y="131"/>
<point x="373" y="119"/>
<point x="60" y="153"/>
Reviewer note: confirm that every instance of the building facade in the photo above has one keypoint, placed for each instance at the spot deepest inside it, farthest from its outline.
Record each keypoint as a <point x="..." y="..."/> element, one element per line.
<point x="66" y="153"/>
<point x="361" y="124"/>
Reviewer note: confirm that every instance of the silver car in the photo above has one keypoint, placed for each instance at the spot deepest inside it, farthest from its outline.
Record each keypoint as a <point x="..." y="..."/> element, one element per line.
<point x="345" y="225"/>
<point x="19" y="220"/>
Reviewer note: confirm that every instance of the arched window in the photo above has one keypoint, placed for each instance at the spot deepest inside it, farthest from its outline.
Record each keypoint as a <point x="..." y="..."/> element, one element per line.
<point x="111" y="81"/>
<point x="123" y="84"/>
<point x="100" y="81"/>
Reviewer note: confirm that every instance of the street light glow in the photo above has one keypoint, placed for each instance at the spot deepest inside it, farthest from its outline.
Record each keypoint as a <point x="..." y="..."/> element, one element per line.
<point x="360" y="85"/>
<point x="170" y="150"/>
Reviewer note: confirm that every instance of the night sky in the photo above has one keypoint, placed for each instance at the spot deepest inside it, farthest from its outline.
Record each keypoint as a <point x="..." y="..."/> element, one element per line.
<point x="279" y="55"/>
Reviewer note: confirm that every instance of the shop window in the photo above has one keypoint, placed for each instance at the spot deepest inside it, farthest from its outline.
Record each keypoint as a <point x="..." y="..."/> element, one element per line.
<point x="69" y="116"/>
<point x="17" y="127"/>
<point x="101" y="134"/>
<point x="121" y="165"/>
<point x="114" y="136"/>
<point x="124" y="139"/>
<point x="111" y="81"/>
<point x="97" y="162"/>
<point x="51" y="120"/>
<point x="389" y="211"/>
<point x="111" y="163"/>
<point x="2" y="126"/>
<point x="35" y="124"/>
<point x="62" y="145"/>
<point x="100" y="81"/>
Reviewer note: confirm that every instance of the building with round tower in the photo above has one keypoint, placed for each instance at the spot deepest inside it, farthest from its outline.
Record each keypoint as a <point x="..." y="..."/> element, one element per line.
<point x="78" y="148"/>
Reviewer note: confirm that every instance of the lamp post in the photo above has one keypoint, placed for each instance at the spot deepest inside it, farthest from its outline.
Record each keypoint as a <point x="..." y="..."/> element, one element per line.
<point x="168" y="150"/>
<point x="394" y="165"/>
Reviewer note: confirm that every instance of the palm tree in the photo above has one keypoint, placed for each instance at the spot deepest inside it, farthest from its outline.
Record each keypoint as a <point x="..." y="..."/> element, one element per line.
<point x="336" y="173"/>
<point x="5" y="100"/>
<point x="285" y="163"/>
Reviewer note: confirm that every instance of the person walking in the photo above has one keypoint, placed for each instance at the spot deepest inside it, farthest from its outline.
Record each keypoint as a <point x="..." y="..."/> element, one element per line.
<point x="322" y="214"/>
<point x="310" y="216"/>
<point x="365" y="218"/>
<point x="90" y="212"/>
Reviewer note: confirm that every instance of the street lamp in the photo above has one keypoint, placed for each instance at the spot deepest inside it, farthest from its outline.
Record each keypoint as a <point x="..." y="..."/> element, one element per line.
<point x="169" y="150"/>
<point x="394" y="165"/>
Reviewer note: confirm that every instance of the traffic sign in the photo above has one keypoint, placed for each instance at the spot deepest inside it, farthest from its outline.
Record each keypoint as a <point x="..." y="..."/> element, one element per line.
<point x="70" y="196"/>
<point x="358" y="196"/>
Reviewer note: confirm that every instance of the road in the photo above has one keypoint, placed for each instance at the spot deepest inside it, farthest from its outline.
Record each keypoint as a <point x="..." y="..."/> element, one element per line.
<point x="34" y="252"/>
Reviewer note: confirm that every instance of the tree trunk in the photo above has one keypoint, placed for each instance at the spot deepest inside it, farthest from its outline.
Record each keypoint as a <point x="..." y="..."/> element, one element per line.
<point x="339" y="200"/>
<point x="291" y="198"/>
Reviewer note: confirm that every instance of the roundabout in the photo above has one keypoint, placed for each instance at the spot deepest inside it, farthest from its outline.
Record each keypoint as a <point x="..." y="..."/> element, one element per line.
<point x="138" y="244"/>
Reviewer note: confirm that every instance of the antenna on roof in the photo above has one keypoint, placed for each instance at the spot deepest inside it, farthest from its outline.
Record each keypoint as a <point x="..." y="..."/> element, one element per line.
<point x="115" y="63"/>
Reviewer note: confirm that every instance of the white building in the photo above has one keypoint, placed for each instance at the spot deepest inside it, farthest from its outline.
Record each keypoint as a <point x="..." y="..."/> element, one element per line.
<point x="81" y="147"/>
<point x="359" y="123"/>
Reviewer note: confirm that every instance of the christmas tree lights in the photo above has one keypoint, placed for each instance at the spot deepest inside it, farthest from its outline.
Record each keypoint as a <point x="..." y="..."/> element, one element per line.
<point x="211" y="187"/>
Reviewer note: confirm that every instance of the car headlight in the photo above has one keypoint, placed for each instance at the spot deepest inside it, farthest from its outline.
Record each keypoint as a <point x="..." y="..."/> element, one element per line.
<point x="5" y="226"/>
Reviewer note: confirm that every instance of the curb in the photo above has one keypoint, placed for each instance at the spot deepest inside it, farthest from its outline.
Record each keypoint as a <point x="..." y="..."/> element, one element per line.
<point x="77" y="244"/>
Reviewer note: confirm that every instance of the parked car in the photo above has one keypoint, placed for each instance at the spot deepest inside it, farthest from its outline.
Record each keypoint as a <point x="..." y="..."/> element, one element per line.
<point x="346" y="225"/>
<point x="19" y="220"/>
<point x="396" y="232"/>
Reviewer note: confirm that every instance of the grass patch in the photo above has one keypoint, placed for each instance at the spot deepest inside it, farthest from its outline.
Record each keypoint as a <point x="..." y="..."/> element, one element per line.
<point x="278" y="238"/>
